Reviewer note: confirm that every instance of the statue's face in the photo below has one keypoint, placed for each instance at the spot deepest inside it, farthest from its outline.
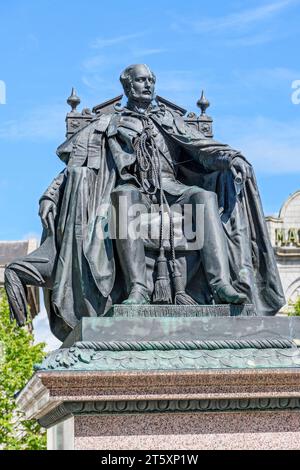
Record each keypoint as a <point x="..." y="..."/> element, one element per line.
<point x="142" y="84"/>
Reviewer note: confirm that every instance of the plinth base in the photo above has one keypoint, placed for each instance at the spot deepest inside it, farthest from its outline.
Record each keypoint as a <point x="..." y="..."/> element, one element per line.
<point x="224" y="409"/>
<point x="240" y="431"/>
<point x="166" y="378"/>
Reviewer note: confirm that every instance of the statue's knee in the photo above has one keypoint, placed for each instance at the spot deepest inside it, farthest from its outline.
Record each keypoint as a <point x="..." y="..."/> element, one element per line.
<point x="9" y="268"/>
<point x="14" y="271"/>
<point x="10" y="274"/>
<point x="129" y="193"/>
<point x="205" y="197"/>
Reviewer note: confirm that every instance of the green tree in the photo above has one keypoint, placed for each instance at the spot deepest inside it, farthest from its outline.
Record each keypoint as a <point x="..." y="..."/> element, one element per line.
<point x="295" y="308"/>
<point x="18" y="355"/>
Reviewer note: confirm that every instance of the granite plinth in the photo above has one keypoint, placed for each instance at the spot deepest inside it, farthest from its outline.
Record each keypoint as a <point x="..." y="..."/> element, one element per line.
<point x="238" y="431"/>
<point x="225" y="409"/>
<point x="181" y="381"/>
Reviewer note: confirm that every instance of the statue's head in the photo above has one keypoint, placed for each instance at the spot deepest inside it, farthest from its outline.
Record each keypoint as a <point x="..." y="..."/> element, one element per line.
<point x="138" y="82"/>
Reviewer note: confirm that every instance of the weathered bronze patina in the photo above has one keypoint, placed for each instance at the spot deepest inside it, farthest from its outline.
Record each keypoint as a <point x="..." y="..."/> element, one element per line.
<point x="149" y="154"/>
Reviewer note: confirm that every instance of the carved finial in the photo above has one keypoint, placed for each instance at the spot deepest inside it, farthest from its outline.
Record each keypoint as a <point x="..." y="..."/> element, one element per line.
<point x="203" y="103"/>
<point x="73" y="100"/>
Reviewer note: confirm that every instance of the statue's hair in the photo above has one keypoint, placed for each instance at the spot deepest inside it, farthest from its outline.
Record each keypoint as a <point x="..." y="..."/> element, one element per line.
<point x="126" y="78"/>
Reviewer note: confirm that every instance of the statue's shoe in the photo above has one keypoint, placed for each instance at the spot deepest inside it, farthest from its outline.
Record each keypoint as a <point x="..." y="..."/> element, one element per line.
<point x="228" y="295"/>
<point x="137" y="296"/>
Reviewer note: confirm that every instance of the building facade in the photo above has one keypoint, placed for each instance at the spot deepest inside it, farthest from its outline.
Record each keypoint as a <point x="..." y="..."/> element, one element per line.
<point x="284" y="232"/>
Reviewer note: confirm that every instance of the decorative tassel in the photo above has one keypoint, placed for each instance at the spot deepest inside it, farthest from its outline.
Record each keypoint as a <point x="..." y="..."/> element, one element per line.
<point x="181" y="297"/>
<point x="162" y="288"/>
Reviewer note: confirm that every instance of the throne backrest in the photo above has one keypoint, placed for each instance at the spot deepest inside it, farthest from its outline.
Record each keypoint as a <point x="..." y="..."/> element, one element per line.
<point x="76" y="120"/>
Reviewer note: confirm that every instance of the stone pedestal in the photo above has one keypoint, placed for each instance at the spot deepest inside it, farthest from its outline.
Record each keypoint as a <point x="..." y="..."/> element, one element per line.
<point x="171" y="378"/>
<point x="220" y="409"/>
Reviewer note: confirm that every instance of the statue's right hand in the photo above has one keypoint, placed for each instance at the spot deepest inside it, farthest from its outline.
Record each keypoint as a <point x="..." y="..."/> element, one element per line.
<point x="47" y="212"/>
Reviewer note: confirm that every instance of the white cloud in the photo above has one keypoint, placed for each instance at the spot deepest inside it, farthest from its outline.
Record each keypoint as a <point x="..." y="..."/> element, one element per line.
<point x="146" y="52"/>
<point x="101" y="43"/>
<point x="244" y="87"/>
<point x="182" y="87"/>
<point x="104" y="62"/>
<point x="259" y="82"/>
<point x="248" y="27"/>
<point x="236" y="21"/>
<point x="176" y="80"/>
<point x="272" y="146"/>
<point x="31" y="236"/>
<point x="44" y="123"/>
<point x="268" y="76"/>
<point x="251" y="40"/>
<point x="123" y="50"/>
<point x="95" y="62"/>
<point x="103" y="88"/>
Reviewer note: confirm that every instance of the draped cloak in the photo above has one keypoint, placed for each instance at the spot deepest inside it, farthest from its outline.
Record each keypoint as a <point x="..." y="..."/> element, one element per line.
<point x="85" y="277"/>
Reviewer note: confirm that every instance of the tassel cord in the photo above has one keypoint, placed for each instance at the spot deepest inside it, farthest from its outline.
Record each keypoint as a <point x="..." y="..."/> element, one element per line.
<point x="149" y="169"/>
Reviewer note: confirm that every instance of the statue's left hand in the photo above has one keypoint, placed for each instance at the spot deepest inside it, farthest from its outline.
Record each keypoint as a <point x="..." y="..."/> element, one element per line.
<point x="240" y="166"/>
<point x="47" y="212"/>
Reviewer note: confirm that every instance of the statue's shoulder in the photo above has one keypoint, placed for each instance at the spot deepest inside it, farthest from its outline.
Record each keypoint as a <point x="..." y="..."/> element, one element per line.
<point x="171" y="112"/>
<point x="173" y="120"/>
<point x="99" y="123"/>
<point x="118" y="118"/>
<point x="80" y="138"/>
<point x="170" y="107"/>
<point x="102" y="122"/>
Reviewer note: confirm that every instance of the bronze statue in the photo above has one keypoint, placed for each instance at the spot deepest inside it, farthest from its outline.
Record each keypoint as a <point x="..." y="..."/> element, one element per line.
<point x="147" y="154"/>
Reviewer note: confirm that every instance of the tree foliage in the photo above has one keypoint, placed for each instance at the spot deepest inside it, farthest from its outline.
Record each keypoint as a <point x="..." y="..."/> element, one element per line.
<point x="18" y="355"/>
<point x="295" y="308"/>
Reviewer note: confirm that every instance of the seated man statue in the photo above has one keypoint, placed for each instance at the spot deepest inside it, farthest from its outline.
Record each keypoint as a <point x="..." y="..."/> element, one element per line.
<point x="146" y="154"/>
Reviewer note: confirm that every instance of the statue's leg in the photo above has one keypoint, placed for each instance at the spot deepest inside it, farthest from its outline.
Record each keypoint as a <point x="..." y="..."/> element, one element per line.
<point x="34" y="269"/>
<point x="130" y="247"/>
<point x="214" y="253"/>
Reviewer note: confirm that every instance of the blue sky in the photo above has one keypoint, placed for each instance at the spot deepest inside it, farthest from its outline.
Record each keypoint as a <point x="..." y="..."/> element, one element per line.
<point x="243" y="53"/>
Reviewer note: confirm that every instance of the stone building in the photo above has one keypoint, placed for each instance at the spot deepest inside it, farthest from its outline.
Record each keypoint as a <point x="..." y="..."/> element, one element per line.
<point x="284" y="232"/>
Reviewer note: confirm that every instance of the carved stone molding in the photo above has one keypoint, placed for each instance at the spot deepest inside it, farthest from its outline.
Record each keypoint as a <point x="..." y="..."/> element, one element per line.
<point x="98" y="357"/>
<point x="68" y="409"/>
